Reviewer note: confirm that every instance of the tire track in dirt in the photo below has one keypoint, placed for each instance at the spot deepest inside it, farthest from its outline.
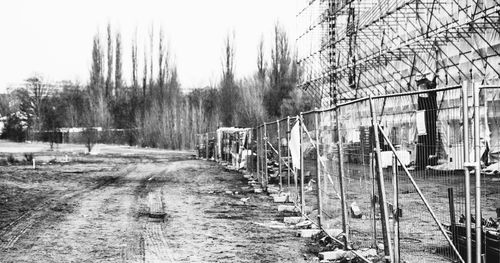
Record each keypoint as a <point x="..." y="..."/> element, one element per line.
<point x="206" y="224"/>
<point x="156" y="247"/>
<point x="13" y="231"/>
<point x="151" y="196"/>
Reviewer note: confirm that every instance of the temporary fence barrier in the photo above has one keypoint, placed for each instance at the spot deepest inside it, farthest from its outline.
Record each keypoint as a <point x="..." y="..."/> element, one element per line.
<point x="395" y="170"/>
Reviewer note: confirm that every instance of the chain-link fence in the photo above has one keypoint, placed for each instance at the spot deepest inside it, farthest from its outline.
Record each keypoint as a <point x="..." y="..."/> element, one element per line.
<point x="401" y="172"/>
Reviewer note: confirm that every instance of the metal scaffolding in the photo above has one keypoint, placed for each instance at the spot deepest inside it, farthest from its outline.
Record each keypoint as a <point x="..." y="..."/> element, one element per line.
<point x="350" y="49"/>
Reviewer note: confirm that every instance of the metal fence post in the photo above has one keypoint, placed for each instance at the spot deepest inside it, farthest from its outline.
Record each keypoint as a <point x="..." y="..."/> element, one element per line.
<point x="477" y="159"/>
<point x="265" y="156"/>
<point x="261" y="176"/>
<point x="288" y="149"/>
<point x="372" y="201"/>
<point x="206" y="146"/>
<point x="257" y="149"/>
<point x="279" y="155"/>
<point x="395" y="212"/>
<point x="216" y="148"/>
<point x="465" y="119"/>
<point x="318" y="172"/>
<point x="381" y="187"/>
<point x="340" y="151"/>
<point x="301" y="192"/>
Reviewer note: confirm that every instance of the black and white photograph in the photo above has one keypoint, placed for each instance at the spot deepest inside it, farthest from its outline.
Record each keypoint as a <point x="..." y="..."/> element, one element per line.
<point x="309" y="131"/>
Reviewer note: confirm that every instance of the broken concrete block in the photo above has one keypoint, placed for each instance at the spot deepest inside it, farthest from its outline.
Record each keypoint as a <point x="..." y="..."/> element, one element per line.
<point x="229" y="192"/>
<point x="355" y="211"/>
<point x="307" y="233"/>
<point x="281" y="199"/>
<point x="292" y="220"/>
<point x="287" y="208"/>
<point x="303" y="224"/>
<point x="380" y="246"/>
<point x="332" y="255"/>
<point x="257" y="190"/>
<point x="273" y="190"/>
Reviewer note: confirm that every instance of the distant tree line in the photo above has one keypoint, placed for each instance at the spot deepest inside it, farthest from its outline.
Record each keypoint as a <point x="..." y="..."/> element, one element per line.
<point x="152" y="109"/>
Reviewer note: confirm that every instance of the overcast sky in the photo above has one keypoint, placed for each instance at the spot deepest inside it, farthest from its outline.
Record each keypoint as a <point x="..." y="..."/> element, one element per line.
<point x="54" y="37"/>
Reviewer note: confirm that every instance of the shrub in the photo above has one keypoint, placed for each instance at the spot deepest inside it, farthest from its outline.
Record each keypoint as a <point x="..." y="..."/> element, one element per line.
<point x="11" y="159"/>
<point x="28" y="157"/>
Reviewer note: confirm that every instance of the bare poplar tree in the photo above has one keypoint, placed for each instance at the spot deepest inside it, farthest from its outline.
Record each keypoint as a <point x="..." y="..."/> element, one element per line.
<point x="261" y="63"/>
<point x="96" y="89"/>
<point x="229" y="91"/>
<point x="151" y="48"/>
<point x="144" y="80"/>
<point x="135" y="83"/>
<point x="161" y="69"/>
<point x="118" y="63"/>
<point x="37" y="92"/>
<point x="97" y="68"/>
<point x="280" y="82"/>
<point x="109" y="82"/>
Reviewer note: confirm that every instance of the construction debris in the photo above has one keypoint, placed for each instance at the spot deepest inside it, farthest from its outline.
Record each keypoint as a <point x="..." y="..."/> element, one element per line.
<point x="304" y="224"/>
<point x="293" y="220"/>
<point x="281" y="199"/>
<point x="333" y="255"/>
<point x="308" y="233"/>
<point x="272" y="189"/>
<point x="288" y="208"/>
<point x="355" y="211"/>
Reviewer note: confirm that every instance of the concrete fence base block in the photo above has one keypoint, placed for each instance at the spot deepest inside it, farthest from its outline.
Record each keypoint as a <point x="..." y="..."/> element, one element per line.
<point x="292" y="220"/>
<point x="281" y="199"/>
<point x="368" y="252"/>
<point x="273" y="190"/>
<point x="332" y="255"/>
<point x="307" y="233"/>
<point x="355" y="211"/>
<point x="287" y="208"/>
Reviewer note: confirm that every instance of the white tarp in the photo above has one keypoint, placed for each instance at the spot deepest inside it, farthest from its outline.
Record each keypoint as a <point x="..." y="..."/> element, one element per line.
<point x="421" y="127"/>
<point x="295" y="145"/>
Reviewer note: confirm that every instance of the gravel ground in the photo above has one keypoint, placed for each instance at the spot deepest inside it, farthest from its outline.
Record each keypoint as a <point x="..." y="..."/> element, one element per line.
<point x="94" y="208"/>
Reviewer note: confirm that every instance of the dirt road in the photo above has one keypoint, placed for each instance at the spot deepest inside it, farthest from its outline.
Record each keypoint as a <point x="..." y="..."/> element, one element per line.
<point x="96" y="209"/>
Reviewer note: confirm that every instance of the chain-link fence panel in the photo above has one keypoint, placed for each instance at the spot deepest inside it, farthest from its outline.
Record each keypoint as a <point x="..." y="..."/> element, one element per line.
<point x="489" y="152"/>
<point x="355" y="163"/>
<point x="329" y="181"/>
<point x="309" y="175"/>
<point x="272" y="155"/>
<point x="426" y="132"/>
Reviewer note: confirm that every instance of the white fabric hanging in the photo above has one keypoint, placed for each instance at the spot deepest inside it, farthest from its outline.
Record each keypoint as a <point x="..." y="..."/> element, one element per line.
<point x="295" y="145"/>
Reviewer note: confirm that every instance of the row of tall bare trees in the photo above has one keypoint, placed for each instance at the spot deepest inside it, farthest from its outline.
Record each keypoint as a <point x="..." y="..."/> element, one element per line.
<point x="162" y="116"/>
<point x="153" y="110"/>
